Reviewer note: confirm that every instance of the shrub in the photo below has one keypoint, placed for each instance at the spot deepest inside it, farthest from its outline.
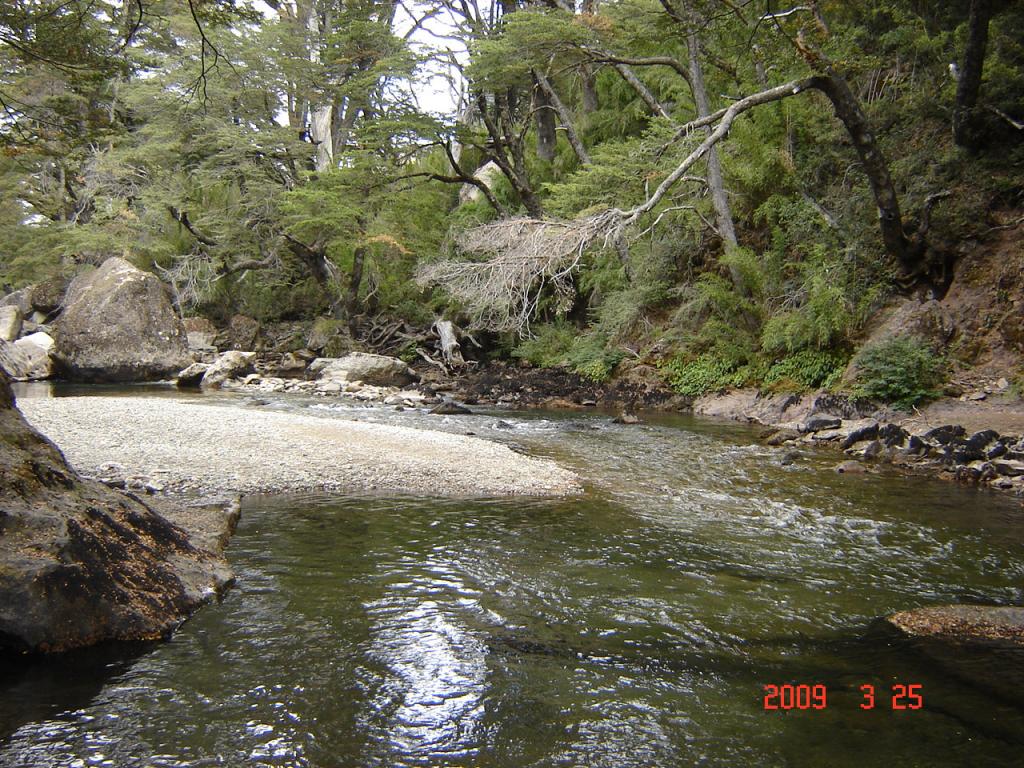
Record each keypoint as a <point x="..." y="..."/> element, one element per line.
<point x="902" y="370"/>
<point x="704" y="374"/>
<point x="809" y="368"/>
<point x="591" y="358"/>
<point x="549" y="345"/>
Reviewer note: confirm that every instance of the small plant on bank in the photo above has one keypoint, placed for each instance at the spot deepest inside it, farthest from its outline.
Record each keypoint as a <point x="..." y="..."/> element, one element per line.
<point x="903" y="370"/>
<point x="808" y="369"/>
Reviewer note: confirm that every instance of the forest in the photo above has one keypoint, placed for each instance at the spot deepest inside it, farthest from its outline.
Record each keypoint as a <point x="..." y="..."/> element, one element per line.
<point x="727" y="190"/>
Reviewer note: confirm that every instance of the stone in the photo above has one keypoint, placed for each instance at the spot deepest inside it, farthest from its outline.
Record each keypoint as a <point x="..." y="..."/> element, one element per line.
<point x="242" y="333"/>
<point x="789" y="458"/>
<point x="449" y="408"/>
<point x="48" y="296"/>
<point x="232" y="364"/>
<point x="21" y="299"/>
<point x="858" y="430"/>
<point x="626" y="418"/>
<point x="192" y="376"/>
<point x="892" y="434"/>
<point x="781" y="437"/>
<point x="292" y="364"/>
<point x="200" y="333"/>
<point x="119" y="325"/>
<point x="28" y="359"/>
<point x="1009" y="468"/>
<point x="377" y="370"/>
<point x="850" y="468"/>
<point x="1002" y="385"/>
<point x="10" y="323"/>
<point x="819" y="423"/>
<point x="81" y="563"/>
<point x="872" y="450"/>
<point x="979" y="643"/>
<point x="945" y="434"/>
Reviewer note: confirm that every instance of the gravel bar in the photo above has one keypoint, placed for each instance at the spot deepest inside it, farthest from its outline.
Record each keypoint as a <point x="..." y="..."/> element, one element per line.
<point x="188" y="447"/>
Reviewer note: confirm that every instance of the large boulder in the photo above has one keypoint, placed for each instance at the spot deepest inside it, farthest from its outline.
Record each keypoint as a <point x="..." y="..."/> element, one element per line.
<point x="118" y="325"/>
<point x="378" y="370"/>
<point x="81" y="563"/>
<point x="10" y="323"/>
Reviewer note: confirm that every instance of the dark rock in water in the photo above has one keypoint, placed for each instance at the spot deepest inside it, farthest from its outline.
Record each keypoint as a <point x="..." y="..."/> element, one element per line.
<point x="448" y="408"/>
<point x="851" y="468"/>
<point x="789" y="458"/>
<point x="626" y="418"/>
<point x="819" y="423"/>
<point x="982" y="644"/>
<point x="118" y="325"/>
<point x="503" y="425"/>
<point x="782" y="436"/>
<point x="81" y="563"/>
<point x="873" y="450"/>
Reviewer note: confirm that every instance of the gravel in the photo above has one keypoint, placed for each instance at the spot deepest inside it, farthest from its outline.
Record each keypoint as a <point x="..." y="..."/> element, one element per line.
<point x="186" y="447"/>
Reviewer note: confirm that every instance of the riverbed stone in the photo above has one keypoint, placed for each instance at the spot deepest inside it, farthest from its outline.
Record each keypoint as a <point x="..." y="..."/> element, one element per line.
<point x="28" y="358"/>
<point x="820" y="423"/>
<point x="980" y="643"/>
<point x="81" y="563"/>
<point x="1009" y="468"/>
<point x="119" y="325"/>
<point x="850" y="468"/>
<point x="192" y="376"/>
<point x="228" y="365"/>
<point x="377" y="370"/>
<point x="10" y="323"/>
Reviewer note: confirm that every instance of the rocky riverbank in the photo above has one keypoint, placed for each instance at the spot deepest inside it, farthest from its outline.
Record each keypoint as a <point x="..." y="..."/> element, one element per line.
<point x="81" y="563"/>
<point x="180" y="447"/>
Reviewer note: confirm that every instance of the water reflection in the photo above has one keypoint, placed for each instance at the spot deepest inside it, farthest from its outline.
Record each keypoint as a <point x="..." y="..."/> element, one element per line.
<point x="436" y="664"/>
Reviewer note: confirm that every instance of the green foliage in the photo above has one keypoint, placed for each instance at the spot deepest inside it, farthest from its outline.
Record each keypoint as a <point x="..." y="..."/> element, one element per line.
<point x="808" y="369"/>
<point x="549" y="346"/>
<point x="591" y="357"/>
<point x="902" y="370"/>
<point x="706" y="373"/>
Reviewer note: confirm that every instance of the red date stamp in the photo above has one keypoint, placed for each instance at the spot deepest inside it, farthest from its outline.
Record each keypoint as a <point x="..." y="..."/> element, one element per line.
<point x="786" y="697"/>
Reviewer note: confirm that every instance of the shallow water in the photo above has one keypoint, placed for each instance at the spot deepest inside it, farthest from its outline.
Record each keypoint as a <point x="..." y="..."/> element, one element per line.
<point x="634" y="626"/>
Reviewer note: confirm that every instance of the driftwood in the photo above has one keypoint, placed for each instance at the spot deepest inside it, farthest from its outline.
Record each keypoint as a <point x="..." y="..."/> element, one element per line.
<point x="451" y="350"/>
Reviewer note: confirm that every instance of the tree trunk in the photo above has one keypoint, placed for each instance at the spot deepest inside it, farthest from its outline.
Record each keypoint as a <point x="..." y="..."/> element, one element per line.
<point x="564" y="116"/>
<point x="642" y="90"/>
<point x="354" y="281"/>
<point x="890" y="218"/>
<point x="965" y="129"/>
<point x="547" y="137"/>
<point x="716" y="183"/>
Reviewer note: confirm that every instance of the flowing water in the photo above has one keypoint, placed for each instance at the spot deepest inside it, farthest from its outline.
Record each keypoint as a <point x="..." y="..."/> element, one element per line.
<point x="636" y="625"/>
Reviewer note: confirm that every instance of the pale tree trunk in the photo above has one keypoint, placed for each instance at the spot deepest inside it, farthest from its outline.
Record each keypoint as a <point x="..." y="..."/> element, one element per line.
<point x="547" y="137"/>
<point x="590" y="101"/>
<point x="716" y="183"/>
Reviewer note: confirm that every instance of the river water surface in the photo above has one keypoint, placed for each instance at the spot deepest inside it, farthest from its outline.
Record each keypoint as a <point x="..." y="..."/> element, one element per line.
<point x="636" y="625"/>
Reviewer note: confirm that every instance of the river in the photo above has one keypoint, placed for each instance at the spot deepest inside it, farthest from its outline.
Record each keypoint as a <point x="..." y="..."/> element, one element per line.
<point x="637" y="625"/>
